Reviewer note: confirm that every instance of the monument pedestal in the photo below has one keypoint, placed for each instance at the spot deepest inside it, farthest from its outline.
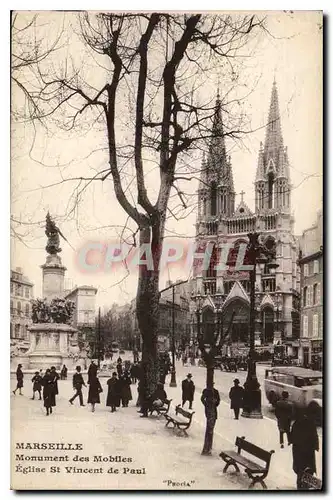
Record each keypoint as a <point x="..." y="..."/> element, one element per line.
<point x="53" y="277"/>
<point x="49" y="345"/>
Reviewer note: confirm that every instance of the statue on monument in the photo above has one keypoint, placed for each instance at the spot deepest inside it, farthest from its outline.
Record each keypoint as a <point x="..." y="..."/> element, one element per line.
<point x="52" y="232"/>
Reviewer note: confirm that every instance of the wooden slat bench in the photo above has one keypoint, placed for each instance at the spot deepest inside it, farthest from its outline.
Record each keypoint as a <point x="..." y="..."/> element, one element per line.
<point x="161" y="410"/>
<point x="181" y="421"/>
<point x="257" y="472"/>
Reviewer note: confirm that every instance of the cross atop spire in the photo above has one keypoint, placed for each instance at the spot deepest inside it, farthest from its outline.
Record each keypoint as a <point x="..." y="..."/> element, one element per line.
<point x="242" y="196"/>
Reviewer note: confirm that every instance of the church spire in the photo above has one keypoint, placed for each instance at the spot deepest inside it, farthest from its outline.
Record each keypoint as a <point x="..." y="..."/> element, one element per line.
<point x="272" y="175"/>
<point x="217" y="143"/>
<point x="273" y="139"/>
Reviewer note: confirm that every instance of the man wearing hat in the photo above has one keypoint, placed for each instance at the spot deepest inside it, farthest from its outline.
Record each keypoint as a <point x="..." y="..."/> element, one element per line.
<point x="188" y="390"/>
<point x="236" y="395"/>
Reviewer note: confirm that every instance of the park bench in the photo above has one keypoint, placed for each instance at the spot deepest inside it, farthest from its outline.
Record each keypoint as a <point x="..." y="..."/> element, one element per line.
<point x="161" y="410"/>
<point x="255" y="471"/>
<point x="181" y="421"/>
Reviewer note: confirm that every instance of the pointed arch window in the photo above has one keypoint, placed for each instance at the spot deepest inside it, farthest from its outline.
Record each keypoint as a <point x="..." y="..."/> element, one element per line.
<point x="213" y="199"/>
<point x="270" y="190"/>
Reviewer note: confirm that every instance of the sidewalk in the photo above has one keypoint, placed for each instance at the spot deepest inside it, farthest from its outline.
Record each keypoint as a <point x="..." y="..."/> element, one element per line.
<point x="163" y="455"/>
<point x="263" y="432"/>
<point x="154" y="456"/>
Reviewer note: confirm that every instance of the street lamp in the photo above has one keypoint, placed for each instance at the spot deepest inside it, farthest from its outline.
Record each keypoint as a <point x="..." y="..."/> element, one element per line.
<point x="173" y="382"/>
<point x="257" y="254"/>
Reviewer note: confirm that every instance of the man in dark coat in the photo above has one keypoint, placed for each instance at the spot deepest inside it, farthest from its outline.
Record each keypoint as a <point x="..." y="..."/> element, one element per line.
<point x="236" y="395"/>
<point x="92" y="371"/>
<point x="134" y="372"/>
<point x="49" y="395"/>
<point x="19" y="378"/>
<point x="113" y="397"/>
<point x="119" y="368"/>
<point x="78" y="382"/>
<point x="158" y="397"/>
<point x="284" y="413"/>
<point x="63" y="373"/>
<point x="125" y="389"/>
<point x="55" y="377"/>
<point x="37" y="385"/>
<point x="95" y="389"/>
<point x="188" y="389"/>
<point x="305" y="442"/>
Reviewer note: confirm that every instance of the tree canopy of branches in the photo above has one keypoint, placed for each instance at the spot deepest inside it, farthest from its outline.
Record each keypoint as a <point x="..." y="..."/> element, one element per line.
<point x="143" y="91"/>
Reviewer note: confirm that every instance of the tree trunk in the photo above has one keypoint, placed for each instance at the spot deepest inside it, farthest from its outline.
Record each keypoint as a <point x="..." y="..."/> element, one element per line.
<point x="147" y="311"/>
<point x="210" y="408"/>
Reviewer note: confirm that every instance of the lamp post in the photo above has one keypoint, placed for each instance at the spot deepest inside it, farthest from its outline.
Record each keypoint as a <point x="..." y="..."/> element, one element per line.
<point x="256" y="254"/>
<point x="173" y="382"/>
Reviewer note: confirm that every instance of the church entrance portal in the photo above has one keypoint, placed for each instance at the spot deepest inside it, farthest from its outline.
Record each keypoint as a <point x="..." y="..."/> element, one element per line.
<point x="239" y="331"/>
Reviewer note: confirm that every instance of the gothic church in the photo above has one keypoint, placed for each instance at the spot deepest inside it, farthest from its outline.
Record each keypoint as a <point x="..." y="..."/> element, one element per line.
<point x="220" y="221"/>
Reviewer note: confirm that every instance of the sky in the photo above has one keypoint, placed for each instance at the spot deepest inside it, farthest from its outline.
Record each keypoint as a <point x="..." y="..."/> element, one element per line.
<point x="292" y="54"/>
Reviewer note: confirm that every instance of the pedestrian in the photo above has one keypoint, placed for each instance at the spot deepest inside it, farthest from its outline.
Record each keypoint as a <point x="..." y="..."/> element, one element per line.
<point x="113" y="397"/>
<point x="210" y="398"/>
<point x="305" y="442"/>
<point x="134" y="372"/>
<point x="236" y="395"/>
<point x="78" y="382"/>
<point x="37" y="385"/>
<point x="63" y="373"/>
<point x="92" y="371"/>
<point x="184" y="358"/>
<point x="95" y="389"/>
<point x="119" y="367"/>
<point x="119" y="360"/>
<point x="55" y="376"/>
<point x="284" y="413"/>
<point x="125" y="389"/>
<point x="19" y="378"/>
<point x="158" y="397"/>
<point x="48" y="391"/>
<point x="188" y="389"/>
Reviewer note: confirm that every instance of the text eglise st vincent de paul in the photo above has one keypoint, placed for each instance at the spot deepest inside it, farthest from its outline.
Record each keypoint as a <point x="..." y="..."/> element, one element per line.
<point x="80" y="459"/>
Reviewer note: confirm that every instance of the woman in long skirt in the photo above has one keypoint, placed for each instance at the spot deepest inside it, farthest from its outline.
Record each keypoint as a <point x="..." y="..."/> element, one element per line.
<point x="113" y="397"/>
<point x="48" y="391"/>
<point x="95" y="389"/>
<point x="19" y="378"/>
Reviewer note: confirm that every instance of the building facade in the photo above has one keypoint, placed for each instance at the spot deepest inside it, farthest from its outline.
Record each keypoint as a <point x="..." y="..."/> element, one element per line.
<point x="21" y="293"/>
<point x="312" y="287"/>
<point x="178" y="309"/>
<point x="221" y="222"/>
<point x="84" y="297"/>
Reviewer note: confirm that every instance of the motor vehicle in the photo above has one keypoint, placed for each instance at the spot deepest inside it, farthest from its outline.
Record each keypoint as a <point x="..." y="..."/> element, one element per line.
<point x="303" y="385"/>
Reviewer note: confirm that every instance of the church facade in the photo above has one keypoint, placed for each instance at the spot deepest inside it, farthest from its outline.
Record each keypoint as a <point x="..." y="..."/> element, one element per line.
<point x="221" y="222"/>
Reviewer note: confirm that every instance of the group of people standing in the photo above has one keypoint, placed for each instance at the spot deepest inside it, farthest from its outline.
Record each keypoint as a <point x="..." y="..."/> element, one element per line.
<point x="47" y="382"/>
<point x="119" y="390"/>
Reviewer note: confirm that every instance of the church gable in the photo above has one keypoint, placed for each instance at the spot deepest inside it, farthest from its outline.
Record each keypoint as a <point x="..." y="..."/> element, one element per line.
<point x="237" y="292"/>
<point x="267" y="301"/>
<point x="243" y="210"/>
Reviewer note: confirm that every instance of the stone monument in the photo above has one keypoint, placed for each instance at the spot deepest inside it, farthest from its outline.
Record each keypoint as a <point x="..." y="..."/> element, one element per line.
<point x="51" y="316"/>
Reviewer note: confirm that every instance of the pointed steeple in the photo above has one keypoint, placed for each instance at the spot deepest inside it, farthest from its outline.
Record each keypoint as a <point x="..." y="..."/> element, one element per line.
<point x="272" y="176"/>
<point x="217" y="144"/>
<point x="273" y="139"/>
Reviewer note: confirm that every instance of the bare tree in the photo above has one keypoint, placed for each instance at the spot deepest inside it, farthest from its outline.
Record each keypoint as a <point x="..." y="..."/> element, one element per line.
<point x="144" y="94"/>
